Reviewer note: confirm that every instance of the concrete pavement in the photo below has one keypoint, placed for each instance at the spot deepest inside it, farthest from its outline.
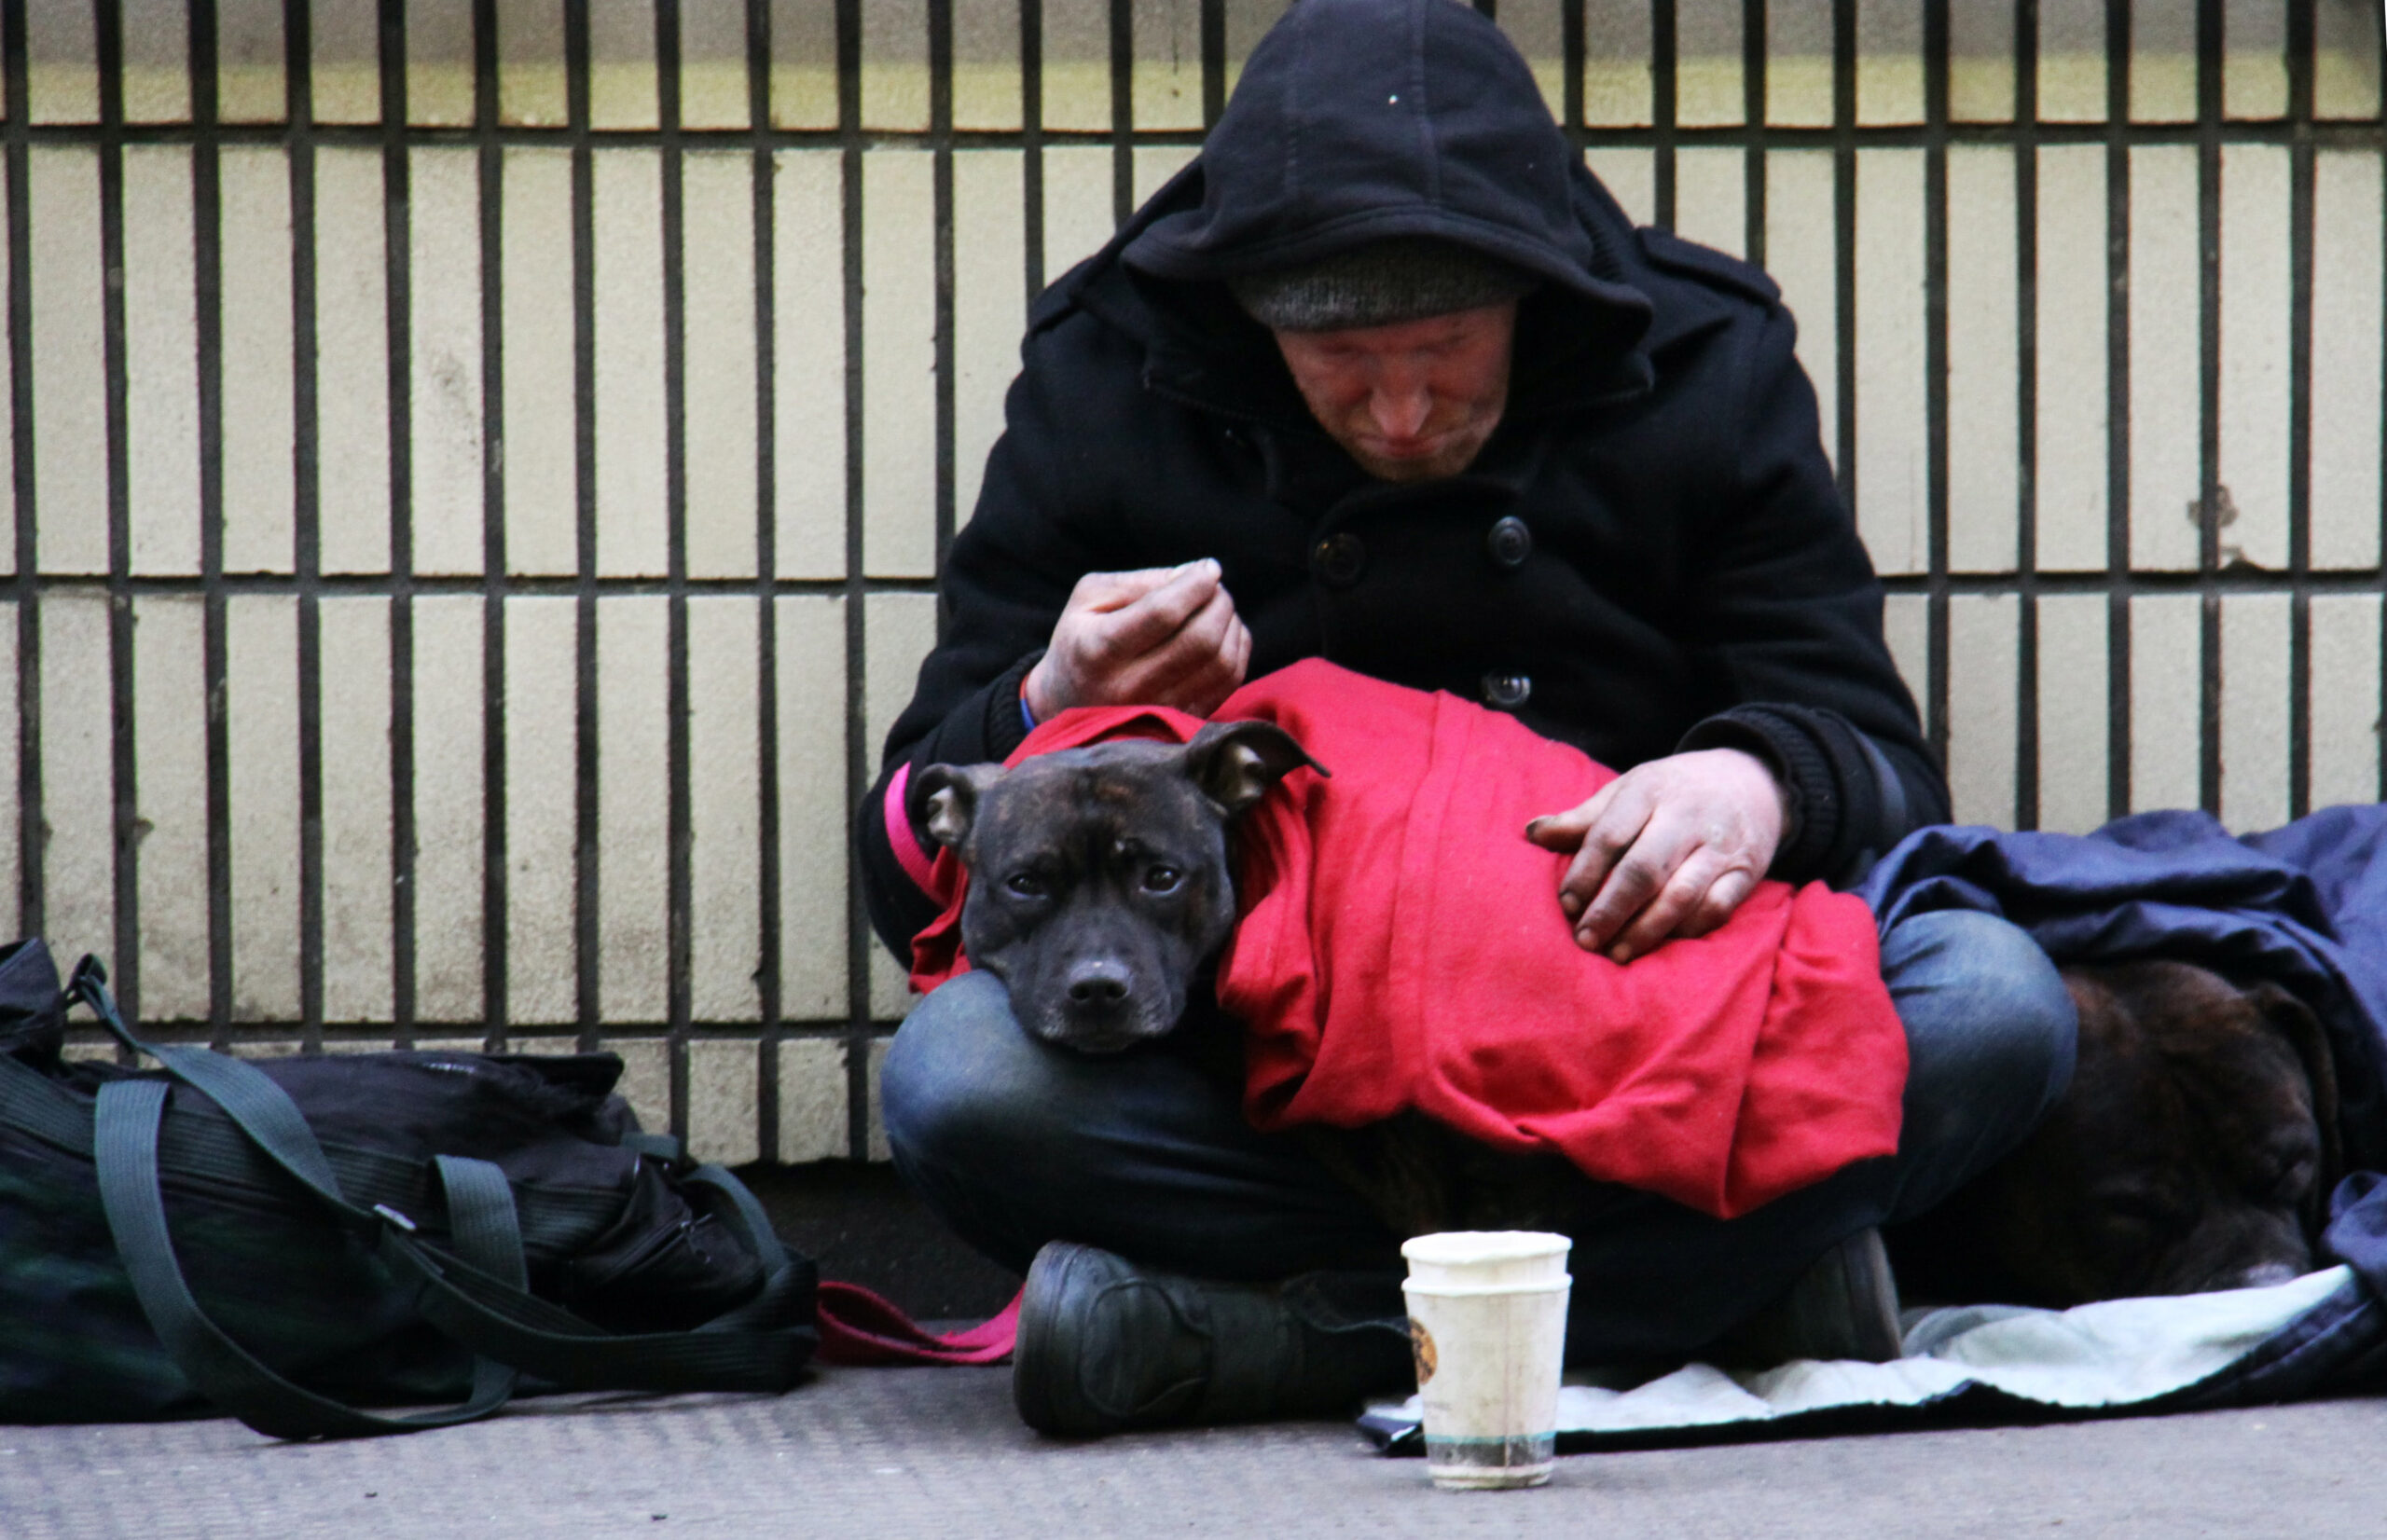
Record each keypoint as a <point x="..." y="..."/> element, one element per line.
<point x="889" y="1454"/>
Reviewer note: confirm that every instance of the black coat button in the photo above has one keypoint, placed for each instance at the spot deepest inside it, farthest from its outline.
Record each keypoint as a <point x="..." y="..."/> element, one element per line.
<point x="1338" y="559"/>
<point x="1510" y="543"/>
<point x="1507" y="692"/>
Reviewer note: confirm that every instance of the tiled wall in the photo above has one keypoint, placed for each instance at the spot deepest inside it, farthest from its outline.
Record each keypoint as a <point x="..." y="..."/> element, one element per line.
<point x="478" y="467"/>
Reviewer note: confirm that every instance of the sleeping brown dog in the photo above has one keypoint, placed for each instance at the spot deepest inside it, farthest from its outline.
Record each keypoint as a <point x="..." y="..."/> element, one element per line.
<point x="2195" y="1150"/>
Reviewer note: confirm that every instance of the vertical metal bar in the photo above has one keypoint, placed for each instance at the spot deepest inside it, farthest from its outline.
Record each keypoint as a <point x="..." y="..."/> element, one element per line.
<point x="2118" y="366"/>
<point x="300" y="71"/>
<point x="1753" y="86"/>
<point x="2300" y="30"/>
<point x="679" y="815"/>
<point x="1031" y="138"/>
<point x="1935" y="362"/>
<point x="123" y="767"/>
<point x="1214" y="58"/>
<point x="2026" y="411"/>
<point x="496" y="1007"/>
<point x="941" y="172"/>
<point x="1664" y="105"/>
<point x="860" y="751"/>
<point x="1123" y="110"/>
<point x="26" y="587"/>
<point x="585" y="872"/>
<point x="767" y="694"/>
<point x="207" y="263"/>
<point x="1843" y="138"/>
<point x="2210" y="509"/>
<point x="398" y="261"/>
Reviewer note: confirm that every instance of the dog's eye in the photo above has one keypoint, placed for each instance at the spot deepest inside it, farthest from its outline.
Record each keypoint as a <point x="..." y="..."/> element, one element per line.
<point x="1028" y="885"/>
<point x="1162" y="879"/>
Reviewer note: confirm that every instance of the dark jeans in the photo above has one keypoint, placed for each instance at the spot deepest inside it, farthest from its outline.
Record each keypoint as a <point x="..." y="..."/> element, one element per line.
<point x="1015" y="1143"/>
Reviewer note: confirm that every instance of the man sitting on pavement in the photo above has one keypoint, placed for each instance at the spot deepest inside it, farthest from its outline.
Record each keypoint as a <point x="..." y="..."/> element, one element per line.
<point x="1385" y="376"/>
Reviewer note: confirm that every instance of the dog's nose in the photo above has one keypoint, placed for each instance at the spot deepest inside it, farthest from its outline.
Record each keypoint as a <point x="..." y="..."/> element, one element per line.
<point x="1097" y="985"/>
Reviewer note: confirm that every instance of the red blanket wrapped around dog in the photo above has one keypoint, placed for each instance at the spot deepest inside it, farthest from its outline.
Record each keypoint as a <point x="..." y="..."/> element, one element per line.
<point x="1401" y="946"/>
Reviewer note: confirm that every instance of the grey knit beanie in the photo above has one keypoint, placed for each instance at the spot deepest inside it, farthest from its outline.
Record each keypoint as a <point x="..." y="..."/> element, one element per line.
<point x="1382" y="283"/>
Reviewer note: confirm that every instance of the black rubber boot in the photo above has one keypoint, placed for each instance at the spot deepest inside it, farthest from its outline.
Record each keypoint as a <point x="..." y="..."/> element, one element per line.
<point x="1844" y="1306"/>
<point x="1106" y="1346"/>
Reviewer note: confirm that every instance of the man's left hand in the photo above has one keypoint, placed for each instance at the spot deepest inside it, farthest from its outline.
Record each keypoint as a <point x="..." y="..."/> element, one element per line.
<point x="1668" y="849"/>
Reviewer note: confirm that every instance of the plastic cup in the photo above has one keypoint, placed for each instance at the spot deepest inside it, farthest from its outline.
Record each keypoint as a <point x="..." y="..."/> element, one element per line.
<point x="1487" y="1316"/>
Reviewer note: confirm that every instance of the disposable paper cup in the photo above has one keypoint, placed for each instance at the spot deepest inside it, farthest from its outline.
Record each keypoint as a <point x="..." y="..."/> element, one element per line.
<point x="1488" y="1316"/>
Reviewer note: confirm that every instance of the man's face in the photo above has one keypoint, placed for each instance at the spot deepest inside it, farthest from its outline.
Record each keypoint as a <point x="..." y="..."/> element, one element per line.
<point x="1413" y="401"/>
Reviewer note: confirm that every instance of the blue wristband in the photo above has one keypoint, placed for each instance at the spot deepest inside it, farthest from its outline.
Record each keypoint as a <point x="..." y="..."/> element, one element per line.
<point x="1027" y="717"/>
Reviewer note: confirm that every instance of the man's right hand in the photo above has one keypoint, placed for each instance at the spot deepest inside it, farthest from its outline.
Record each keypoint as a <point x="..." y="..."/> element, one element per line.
<point x="1165" y="636"/>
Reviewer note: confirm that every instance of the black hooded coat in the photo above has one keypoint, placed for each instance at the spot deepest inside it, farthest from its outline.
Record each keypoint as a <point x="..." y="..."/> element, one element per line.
<point x="1649" y="554"/>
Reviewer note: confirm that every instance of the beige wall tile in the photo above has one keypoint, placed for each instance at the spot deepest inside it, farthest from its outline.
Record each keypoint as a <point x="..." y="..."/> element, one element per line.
<point x="345" y="40"/>
<point x="444" y="326"/>
<point x="899" y="364"/>
<point x="813" y="1116"/>
<point x="1076" y="65"/>
<point x="989" y="308"/>
<point x="1630" y="176"/>
<point x="1153" y="165"/>
<point x="77" y="777"/>
<point x="717" y="256"/>
<point x="1078" y="219"/>
<point x="250" y="53"/>
<point x="2166" y="409"/>
<point x="1708" y="84"/>
<point x="2256" y="687"/>
<point x="2073" y="424"/>
<point x="534" y="296"/>
<point x="631" y="467"/>
<point x="2163" y="61"/>
<point x="646" y="1079"/>
<point x="2347" y="328"/>
<point x="62" y="61"/>
<point x="2345" y="702"/>
<point x="2254" y="76"/>
<point x="351" y="368"/>
<point x="808" y="353"/>
<point x="170" y="780"/>
<point x="895" y="64"/>
<point x="712" y="64"/>
<point x="2346" y="57"/>
<point x="810" y="633"/>
<point x="259" y="404"/>
<point x="875" y="1145"/>
<point x="11" y="744"/>
<point x="531" y="88"/>
<point x="2166" y="652"/>
<point x="1165" y="77"/>
<point x="1538" y="28"/>
<point x="1985" y="445"/>
<point x="1617" y="87"/>
<point x="1893" y="426"/>
<point x="725" y="1079"/>
<point x="2072" y="61"/>
<point x="357" y="889"/>
<point x="804" y="64"/>
<point x="1981" y="62"/>
<point x="1984" y="638"/>
<point x="449" y="817"/>
<point x="157" y="62"/>
<point x="542" y="810"/>
<point x="1711" y="197"/>
<point x="439" y="63"/>
<point x="1799" y="84"/>
<point x="986" y="64"/>
<point x="621" y="65"/>
<point x="724" y="809"/>
<point x="8" y="429"/>
<point x="261" y="739"/>
<point x="69" y="383"/>
<point x="160" y="361"/>
<point x="1889" y="60"/>
<point x="2256" y="287"/>
<point x="897" y="631"/>
<point x="1802" y="254"/>
<point x="633" y="809"/>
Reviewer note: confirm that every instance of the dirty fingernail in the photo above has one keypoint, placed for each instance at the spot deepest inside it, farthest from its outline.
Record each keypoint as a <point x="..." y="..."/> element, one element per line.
<point x="1570" y="904"/>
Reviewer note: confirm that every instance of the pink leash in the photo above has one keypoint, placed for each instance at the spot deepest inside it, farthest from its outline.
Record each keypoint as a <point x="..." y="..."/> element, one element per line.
<point x="859" y="1327"/>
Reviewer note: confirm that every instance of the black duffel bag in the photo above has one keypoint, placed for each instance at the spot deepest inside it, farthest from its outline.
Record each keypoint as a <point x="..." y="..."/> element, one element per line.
<point x="285" y="1239"/>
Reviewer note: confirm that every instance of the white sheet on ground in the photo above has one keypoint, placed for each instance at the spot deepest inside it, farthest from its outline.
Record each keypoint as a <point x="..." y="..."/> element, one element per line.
<point x="2116" y="1352"/>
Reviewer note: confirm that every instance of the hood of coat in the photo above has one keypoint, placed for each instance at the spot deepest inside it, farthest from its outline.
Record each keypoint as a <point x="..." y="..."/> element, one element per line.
<point x="1356" y="120"/>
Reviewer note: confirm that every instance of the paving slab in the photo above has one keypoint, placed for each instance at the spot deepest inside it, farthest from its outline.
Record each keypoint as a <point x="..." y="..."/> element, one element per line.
<point x="889" y="1455"/>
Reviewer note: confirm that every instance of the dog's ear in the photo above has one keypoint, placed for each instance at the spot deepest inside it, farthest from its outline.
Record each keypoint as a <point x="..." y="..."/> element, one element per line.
<point x="2292" y="1019"/>
<point x="1235" y="762"/>
<point x="943" y="799"/>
